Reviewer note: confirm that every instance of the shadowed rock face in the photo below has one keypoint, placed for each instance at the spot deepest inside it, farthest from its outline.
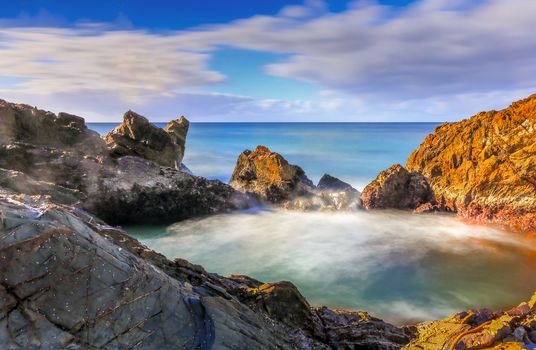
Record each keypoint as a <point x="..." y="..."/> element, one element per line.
<point x="41" y="153"/>
<point x="136" y="136"/>
<point x="330" y="183"/>
<point x="484" y="167"/>
<point x="70" y="281"/>
<point x="397" y="188"/>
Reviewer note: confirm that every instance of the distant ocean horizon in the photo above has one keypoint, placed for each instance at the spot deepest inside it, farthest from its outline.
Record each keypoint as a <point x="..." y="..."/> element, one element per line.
<point x="354" y="152"/>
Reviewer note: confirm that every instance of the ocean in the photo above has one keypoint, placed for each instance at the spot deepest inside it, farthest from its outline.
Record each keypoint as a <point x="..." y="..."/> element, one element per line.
<point x="401" y="267"/>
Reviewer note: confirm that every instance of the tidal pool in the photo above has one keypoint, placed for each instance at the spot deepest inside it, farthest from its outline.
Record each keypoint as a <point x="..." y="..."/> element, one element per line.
<point x="401" y="267"/>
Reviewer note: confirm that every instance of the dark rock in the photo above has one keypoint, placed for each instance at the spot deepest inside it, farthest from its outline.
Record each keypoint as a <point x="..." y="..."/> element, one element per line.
<point x="57" y="156"/>
<point x="359" y="330"/>
<point x="64" y="285"/>
<point x="140" y="191"/>
<point x="397" y="188"/>
<point x="330" y="183"/>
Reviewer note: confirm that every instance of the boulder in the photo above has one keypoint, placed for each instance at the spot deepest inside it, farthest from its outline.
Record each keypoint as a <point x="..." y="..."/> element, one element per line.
<point x="268" y="175"/>
<point x="484" y="167"/>
<point x="330" y="183"/>
<point x="136" y="190"/>
<point x="136" y="136"/>
<point x="397" y="188"/>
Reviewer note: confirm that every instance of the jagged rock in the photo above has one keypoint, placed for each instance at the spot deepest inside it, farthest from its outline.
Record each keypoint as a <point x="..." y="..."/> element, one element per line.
<point x="268" y="175"/>
<point x="24" y="124"/>
<point x="397" y="188"/>
<point x="68" y="280"/>
<point x="359" y="330"/>
<point x="44" y="154"/>
<point x="484" y="167"/>
<point x="330" y="183"/>
<point x="136" y="136"/>
<point x="478" y="329"/>
<point x="177" y="130"/>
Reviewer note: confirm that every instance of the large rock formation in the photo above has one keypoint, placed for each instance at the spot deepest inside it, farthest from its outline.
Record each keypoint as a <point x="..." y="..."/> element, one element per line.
<point x="269" y="177"/>
<point x="136" y="136"/>
<point x="70" y="281"/>
<point x="397" y="188"/>
<point x="484" y="167"/>
<point x="41" y="153"/>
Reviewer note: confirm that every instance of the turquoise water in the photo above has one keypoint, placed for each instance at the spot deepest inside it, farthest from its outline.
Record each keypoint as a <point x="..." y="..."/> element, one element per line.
<point x="354" y="152"/>
<point x="398" y="266"/>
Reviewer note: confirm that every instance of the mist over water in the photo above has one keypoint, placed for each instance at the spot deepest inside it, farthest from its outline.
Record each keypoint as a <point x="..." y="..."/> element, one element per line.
<point x="398" y="266"/>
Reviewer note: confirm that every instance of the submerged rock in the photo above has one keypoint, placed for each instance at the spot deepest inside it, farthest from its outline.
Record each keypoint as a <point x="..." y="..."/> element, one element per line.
<point x="484" y="167"/>
<point x="136" y="136"/>
<point x="398" y="188"/>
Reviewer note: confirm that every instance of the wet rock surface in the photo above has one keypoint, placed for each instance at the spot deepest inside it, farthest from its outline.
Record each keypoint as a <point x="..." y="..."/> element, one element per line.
<point x="398" y="188"/>
<point x="484" y="167"/>
<point x="269" y="177"/>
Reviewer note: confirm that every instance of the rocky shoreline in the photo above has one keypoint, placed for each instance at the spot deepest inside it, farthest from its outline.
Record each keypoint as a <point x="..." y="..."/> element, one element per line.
<point x="70" y="280"/>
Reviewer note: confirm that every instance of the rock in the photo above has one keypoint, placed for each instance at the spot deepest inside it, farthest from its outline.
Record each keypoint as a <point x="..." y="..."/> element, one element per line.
<point x="283" y="302"/>
<point x="330" y="183"/>
<point x="358" y="330"/>
<point x="177" y="130"/>
<point x="64" y="285"/>
<point x="478" y="329"/>
<point x="136" y="136"/>
<point x="484" y="167"/>
<point x="24" y="124"/>
<point x="268" y="175"/>
<point x="397" y="188"/>
<point x="57" y="156"/>
<point x="140" y="191"/>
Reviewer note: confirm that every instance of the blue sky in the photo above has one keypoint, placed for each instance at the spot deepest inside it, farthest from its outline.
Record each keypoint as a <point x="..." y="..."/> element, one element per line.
<point x="313" y="60"/>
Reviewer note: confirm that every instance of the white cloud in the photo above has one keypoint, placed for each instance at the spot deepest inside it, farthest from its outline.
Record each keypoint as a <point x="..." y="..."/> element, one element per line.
<point x="432" y="59"/>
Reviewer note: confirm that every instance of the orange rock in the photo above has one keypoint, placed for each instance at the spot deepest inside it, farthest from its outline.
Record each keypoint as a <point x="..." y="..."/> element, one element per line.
<point x="484" y="167"/>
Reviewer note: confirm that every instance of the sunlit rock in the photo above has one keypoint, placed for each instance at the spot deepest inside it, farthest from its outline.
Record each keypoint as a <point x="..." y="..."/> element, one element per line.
<point x="136" y="136"/>
<point x="484" y="167"/>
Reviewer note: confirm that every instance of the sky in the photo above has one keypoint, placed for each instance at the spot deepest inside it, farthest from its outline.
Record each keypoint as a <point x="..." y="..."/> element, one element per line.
<point x="269" y="61"/>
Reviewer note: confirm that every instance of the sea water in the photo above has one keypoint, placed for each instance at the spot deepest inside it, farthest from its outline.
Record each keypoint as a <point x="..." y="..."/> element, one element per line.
<point x="399" y="266"/>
